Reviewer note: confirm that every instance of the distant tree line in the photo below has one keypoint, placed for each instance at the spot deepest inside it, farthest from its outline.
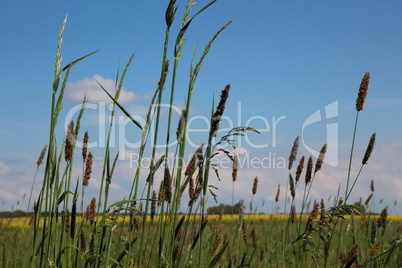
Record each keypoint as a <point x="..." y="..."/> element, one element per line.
<point x="227" y="209"/>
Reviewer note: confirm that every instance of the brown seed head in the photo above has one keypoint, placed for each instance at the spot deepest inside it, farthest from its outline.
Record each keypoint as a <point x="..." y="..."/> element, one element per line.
<point x="255" y="237"/>
<point x="85" y="146"/>
<point x="299" y="169"/>
<point x="277" y="193"/>
<point x="293" y="153"/>
<point x="322" y="215"/>
<point x="42" y="155"/>
<point x="361" y="97"/>
<point x="161" y="196"/>
<point x="292" y="186"/>
<point x="167" y="185"/>
<point x="351" y="254"/>
<point x="235" y="167"/>
<point x="309" y="170"/>
<point x="369" y="150"/>
<point x="320" y="159"/>
<point x="191" y="166"/>
<point x="67" y="226"/>
<point x="68" y="149"/>
<point x="313" y="217"/>
<point x="219" y="112"/>
<point x="293" y="214"/>
<point x="88" y="169"/>
<point x="82" y="242"/>
<point x="244" y="232"/>
<point x="375" y="249"/>
<point x="153" y="205"/>
<point x="255" y="186"/>
<point x="372" y="185"/>
<point x="92" y="211"/>
<point x="217" y="242"/>
<point x="374" y="228"/>
<point x="368" y="199"/>
<point x="242" y="209"/>
<point x="382" y="220"/>
<point x="196" y="194"/>
<point x="32" y="220"/>
<point x="191" y="188"/>
<point x="180" y="126"/>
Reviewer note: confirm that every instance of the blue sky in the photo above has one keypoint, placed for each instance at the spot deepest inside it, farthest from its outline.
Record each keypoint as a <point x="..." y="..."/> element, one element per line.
<point x="285" y="60"/>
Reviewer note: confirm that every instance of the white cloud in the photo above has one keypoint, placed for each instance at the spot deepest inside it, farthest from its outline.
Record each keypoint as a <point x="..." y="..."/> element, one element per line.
<point x="89" y="86"/>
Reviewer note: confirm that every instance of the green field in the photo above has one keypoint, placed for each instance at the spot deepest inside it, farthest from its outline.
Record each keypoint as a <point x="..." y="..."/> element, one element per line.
<point x="264" y="241"/>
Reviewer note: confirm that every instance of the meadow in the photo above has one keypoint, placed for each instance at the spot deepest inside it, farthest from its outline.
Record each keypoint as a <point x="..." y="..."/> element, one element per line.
<point x="153" y="227"/>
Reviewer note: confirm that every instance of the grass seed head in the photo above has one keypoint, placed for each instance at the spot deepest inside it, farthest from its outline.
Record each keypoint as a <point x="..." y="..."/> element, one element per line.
<point x="292" y="187"/>
<point x="299" y="169"/>
<point x="322" y="215"/>
<point x="68" y="149"/>
<point x="293" y="152"/>
<point x="320" y="159"/>
<point x="255" y="237"/>
<point x="369" y="150"/>
<point x="167" y="185"/>
<point x="374" y="228"/>
<point x="351" y="256"/>
<point x="368" y="199"/>
<point x="219" y="112"/>
<point x="293" y="214"/>
<point x="255" y="186"/>
<point x="382" y="220"/>
<point x="197" y="156"/>
<point x="82" y="242"/>
<point x="313" y="217"/>
<point x="277" y="193"/>
<point x="85" y="146"/>
<point x="88" y="169"/>
<point x="235" y="167"/>
<point x="375" y="249"/>
<point x="191" y="188"/>
<point x="92" y="211"/>
<point x="242" y="209"/>
<point x="362" y="92"/>
<point x="217" y="242"/>
<point x="244" y="232"/>
<point x="180" y="126"/>
<point x="309" y="170"/>
<point x="41" y="156"/>
<point x="372" y="186"/>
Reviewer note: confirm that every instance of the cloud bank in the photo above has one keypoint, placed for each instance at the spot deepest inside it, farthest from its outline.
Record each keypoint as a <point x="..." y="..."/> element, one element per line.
<point x="89" y="86"/>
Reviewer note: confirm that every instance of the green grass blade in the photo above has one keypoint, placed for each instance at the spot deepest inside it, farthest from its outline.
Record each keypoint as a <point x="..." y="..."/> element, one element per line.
<point x="121" y="107"/>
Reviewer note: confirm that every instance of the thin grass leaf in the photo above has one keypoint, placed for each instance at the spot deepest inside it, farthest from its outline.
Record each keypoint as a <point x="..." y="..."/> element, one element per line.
<point x="218" y="256"/>
<point x="203" y="224"/>
<point x="120" y="203"/>
<point x="110" y="172"/>
<point x="156" y="167"/>
<point x="121" y="107"/>
<point x="177" y="230"/>
<point x="205" y="52"/>
<point x="71" y="64"/>
<point x="63" y="196"/>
